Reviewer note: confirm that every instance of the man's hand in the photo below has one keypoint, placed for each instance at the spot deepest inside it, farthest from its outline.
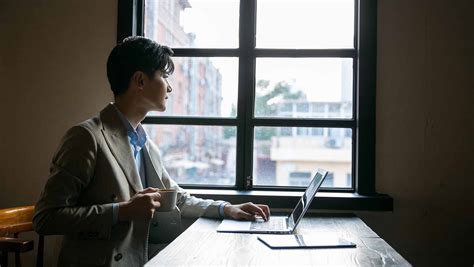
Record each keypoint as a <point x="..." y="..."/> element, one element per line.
<point x="247" y="211"/>
<point x="141" y="206"/>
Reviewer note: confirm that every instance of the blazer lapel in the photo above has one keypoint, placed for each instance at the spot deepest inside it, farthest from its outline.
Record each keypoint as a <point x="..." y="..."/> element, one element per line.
<point x="153" y="172"/>
<point x="116" y="137"/>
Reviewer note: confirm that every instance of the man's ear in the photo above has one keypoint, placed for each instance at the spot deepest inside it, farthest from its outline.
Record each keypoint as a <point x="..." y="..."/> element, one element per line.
<point x="138" y="78"/>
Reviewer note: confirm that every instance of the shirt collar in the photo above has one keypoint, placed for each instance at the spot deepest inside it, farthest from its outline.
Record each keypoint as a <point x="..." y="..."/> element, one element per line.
<point x="137" y="137"/>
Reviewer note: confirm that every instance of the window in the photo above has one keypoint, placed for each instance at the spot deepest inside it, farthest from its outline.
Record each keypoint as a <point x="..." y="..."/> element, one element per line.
<point x="317" y="131"/>
<point x="286" y="107"/>
<point x="300" y="178"/>
<point x="286" y="131"/>
<point x="329" y="181"/>
<point x="302" y="107"/>
<point x="318" y="107"/>
<point x="302" y="131"/>
<point x="247" y="102"/>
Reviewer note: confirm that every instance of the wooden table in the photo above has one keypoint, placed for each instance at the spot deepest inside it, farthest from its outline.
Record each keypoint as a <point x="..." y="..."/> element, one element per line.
<point x="201" y="245"/>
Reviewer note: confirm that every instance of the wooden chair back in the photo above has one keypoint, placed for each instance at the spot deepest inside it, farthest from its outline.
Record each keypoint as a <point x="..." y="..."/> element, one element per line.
<point x="14" y="221"/>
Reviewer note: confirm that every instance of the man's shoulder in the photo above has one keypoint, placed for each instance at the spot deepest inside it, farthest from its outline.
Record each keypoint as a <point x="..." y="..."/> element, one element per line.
<point x="85" y="129"/>
<point x="93" y="124"/>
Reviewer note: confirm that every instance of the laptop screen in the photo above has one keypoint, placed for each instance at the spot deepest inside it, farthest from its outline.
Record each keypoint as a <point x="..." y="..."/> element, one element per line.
<point x="306" y="199"/>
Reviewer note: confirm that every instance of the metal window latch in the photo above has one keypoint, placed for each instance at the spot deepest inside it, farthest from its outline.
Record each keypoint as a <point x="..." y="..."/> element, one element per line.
<point x="248" y="182"/>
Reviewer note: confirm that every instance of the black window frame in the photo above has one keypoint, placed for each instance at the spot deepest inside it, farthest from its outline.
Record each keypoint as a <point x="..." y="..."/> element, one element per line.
<point x="130" y="23"/>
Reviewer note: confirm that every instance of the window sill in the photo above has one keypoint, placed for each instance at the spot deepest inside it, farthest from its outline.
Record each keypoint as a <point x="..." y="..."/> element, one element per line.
<point x="288" y="200"/>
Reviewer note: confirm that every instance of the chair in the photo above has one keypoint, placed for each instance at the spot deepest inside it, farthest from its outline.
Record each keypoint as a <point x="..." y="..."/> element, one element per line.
<point x="14" y="221"/>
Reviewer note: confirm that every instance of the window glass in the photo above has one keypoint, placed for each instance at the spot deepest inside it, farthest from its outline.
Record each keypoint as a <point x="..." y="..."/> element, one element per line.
<point x="284" y="131"/>
<point x="317" y="131"/>
<point x="334" y="107"/>
<point x="300" y="178"/>
<point x="303" y="131"/>
<point x="329" y="180"/>
<point x="302" y="107"/>
<point x="305" y="23"/>
<point x="286" y="107"/>
<point x="193" y="23"/>
<point x="318" y="107"/>
<point x="197" y="154"/>
<point x="283" y="156"/>
<point x="304" y="82"/>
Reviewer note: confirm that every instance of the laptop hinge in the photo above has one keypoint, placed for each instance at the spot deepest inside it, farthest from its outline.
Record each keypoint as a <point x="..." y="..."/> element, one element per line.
<point x="288" y="225"/>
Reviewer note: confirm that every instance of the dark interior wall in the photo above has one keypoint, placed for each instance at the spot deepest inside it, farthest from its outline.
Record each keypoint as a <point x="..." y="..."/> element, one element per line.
<point x="52" y="70"/>
<point x="424" y="146"/>
<point x="54" y="54"/>
<point x="52" y="63"/>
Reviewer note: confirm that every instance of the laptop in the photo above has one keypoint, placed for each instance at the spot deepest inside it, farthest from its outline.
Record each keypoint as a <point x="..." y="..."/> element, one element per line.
<point x="277" y="224"/>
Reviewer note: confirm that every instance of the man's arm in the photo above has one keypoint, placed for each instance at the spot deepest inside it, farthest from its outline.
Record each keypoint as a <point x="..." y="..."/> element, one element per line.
<point x="191" y="206"/>
<point x="56" y="211"/>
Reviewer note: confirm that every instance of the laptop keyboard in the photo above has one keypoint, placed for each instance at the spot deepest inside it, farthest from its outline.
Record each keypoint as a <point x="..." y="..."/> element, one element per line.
<point x="275" y="224"/>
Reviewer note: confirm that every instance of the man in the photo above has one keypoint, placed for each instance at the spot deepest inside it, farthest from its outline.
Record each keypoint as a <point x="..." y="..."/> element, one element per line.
<point x="95" y="194"/>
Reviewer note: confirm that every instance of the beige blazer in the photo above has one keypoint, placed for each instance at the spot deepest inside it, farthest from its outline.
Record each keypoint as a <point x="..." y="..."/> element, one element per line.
<point x="92" y="169"/>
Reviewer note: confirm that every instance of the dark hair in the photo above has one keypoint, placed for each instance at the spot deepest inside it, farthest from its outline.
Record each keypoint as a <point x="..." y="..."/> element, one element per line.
<point x="136" y="54"/>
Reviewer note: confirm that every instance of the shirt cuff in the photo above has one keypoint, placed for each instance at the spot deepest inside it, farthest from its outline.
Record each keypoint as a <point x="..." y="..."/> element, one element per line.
<point x="221" y="209"/>
<point x="115" y="210"/>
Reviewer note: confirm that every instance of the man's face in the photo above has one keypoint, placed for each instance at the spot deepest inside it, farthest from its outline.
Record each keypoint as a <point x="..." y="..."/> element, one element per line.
<point x="156" y="89"/>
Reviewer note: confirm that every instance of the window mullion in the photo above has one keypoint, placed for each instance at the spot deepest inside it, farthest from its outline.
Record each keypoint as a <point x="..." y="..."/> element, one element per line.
<point x="247" y="28"/>
<point x="295" y="53"/>
<point x="290" y="122"/>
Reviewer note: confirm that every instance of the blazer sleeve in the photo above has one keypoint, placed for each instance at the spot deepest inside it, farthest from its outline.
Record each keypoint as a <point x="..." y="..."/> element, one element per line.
<point x="190" y="206"/>
<point x="58" y="210"/>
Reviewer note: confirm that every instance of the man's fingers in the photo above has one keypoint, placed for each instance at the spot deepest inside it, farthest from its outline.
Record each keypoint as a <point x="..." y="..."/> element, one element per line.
<point x="265" y="209"/>
<point x="155" y="199"/>
<point x="156" y="204"/>
<point x="257" y="210"/>
<point x="148" y="190"/>
<point x="155" y="196"/>
<point x="249" y="211"/>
